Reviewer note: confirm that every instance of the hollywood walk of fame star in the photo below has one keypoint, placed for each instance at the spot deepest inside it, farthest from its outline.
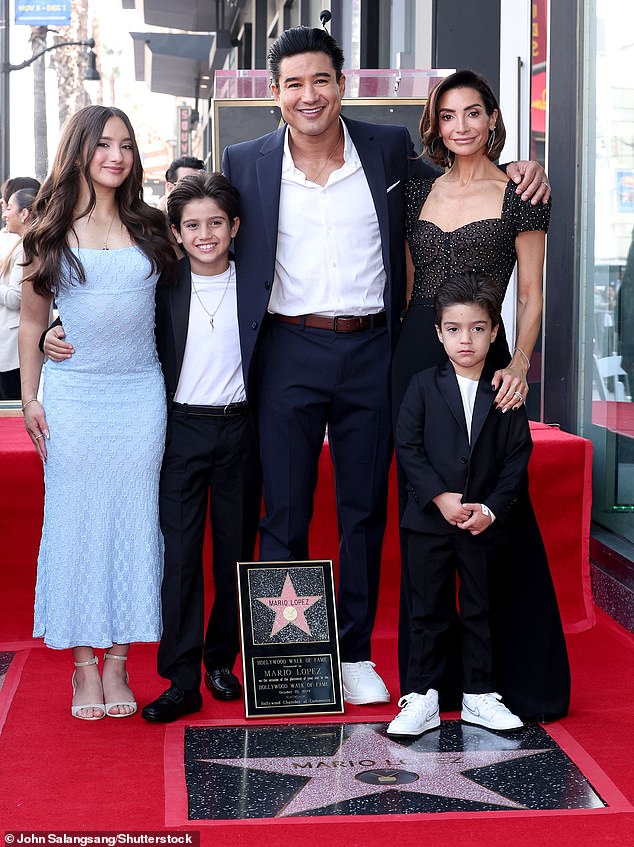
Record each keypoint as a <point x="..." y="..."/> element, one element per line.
<point x="289" y="608"/>
<point x="335" y="779"/>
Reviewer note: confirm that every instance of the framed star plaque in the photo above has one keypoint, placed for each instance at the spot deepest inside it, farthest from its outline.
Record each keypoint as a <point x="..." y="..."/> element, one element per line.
<point x="290" y="645"/>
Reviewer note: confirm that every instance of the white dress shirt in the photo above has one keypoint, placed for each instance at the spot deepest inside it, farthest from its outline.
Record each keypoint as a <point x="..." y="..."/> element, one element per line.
<point x="329" y="258"/>
<point x="468" y="388"/>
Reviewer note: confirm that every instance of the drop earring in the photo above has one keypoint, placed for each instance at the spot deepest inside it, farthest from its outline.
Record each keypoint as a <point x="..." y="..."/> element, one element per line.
<point x="491" y="141"/>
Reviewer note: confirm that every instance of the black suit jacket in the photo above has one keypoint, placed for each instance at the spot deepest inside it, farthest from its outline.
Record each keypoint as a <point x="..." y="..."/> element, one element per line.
<point x="433" y="447"/>
<point x="172" y="324"/>
<point x="255" y="168"/>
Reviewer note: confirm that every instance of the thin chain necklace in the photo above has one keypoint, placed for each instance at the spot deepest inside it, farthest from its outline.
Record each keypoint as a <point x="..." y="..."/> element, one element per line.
<point x="211" y="315"/>
<point x="105" y="244"/>
<point x="330" y="155"/>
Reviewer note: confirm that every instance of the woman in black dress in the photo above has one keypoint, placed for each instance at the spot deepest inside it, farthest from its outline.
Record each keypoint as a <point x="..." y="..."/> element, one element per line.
<point x="471" y="219"/>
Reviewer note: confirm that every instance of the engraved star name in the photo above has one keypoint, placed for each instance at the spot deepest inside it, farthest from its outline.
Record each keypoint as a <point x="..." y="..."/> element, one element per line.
<point x="334" y="778"/>
<point x="289" y="608"/>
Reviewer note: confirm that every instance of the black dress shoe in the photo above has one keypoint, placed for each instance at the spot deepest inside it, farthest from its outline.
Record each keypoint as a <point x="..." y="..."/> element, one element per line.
<point x="172" y="704"/>
<point x="223" y="684"/>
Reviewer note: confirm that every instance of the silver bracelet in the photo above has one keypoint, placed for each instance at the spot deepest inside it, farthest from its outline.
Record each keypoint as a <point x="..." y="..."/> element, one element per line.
<point x="519" y="350"/>
<point x="32" y="400"/>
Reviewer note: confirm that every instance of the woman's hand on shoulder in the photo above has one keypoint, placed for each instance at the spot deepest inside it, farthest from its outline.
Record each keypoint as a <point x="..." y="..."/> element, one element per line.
<point x="512" y="387"/>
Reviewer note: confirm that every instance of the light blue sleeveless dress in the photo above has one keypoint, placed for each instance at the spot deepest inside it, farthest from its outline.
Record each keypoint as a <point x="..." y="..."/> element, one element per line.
<point x="101" y="555"/>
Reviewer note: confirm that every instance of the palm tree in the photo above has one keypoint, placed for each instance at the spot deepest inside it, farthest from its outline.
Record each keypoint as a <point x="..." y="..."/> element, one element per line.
<point x="69" y="63"/>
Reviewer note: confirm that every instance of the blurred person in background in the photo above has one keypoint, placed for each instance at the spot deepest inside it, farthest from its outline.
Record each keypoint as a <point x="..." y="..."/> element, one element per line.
<point x="16" y="216"/>
<point x="183" y="166"/>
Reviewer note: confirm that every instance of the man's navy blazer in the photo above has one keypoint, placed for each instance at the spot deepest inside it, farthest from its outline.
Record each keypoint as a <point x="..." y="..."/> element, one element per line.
<point x="433" y="448"/>
<point x="255" y="168"/>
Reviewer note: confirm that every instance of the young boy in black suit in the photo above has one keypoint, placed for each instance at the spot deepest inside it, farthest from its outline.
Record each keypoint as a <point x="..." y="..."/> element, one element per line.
<point x="211" y="457"/>
<point x="465" y="464"/>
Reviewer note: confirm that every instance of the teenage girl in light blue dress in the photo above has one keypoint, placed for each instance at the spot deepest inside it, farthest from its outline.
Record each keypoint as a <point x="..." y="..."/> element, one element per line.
<point x="99" y="250"/>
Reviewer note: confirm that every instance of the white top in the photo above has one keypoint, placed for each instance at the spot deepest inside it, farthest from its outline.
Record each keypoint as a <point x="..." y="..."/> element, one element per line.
<point x="329" y="258"/>
<point x="10" y="300"/>
<point x="211" y="374"/>
<point x="468" y="389"/>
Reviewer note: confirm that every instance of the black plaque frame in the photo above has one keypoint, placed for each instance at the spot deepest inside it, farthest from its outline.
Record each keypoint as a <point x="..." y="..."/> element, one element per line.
<point x="290" y="644"/>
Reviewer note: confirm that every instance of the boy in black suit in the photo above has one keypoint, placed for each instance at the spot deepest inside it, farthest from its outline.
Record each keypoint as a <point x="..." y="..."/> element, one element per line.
<point x="211" y="458"/>
<point x="465" y="464"/>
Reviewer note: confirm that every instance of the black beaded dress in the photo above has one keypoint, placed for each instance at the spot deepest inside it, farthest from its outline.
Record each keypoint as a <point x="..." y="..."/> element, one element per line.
<point x="530" y="655"/>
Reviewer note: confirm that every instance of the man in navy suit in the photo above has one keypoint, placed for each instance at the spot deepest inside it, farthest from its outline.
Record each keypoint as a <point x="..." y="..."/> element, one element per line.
<point x="320" y="267"/>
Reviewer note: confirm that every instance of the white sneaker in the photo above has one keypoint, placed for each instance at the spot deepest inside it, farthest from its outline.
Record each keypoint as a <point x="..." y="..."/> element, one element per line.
<point x="419" y="713"/>
<point x="362" y="684"/>
<point x="489" y="711"/>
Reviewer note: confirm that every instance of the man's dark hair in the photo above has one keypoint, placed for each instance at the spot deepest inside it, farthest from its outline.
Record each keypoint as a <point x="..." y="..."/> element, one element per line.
<point x="171" y="174"/>
<point x="473" y="288"/>
<point x="202" y="186"/>
<point x="13" y="184"/>
<point x="303" y="39"/>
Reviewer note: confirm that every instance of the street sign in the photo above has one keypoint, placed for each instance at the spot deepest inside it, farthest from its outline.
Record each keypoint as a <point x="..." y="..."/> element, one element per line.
<point x="42" y="13"/>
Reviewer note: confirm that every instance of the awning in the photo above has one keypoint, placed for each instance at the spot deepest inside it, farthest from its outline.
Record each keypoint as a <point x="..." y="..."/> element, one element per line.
<point x="190" y="15"/>
<point x="172" y="63"/>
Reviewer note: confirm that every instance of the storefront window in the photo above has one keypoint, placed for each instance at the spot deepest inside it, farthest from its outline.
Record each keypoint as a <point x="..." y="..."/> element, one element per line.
<point x="607" y="262"/>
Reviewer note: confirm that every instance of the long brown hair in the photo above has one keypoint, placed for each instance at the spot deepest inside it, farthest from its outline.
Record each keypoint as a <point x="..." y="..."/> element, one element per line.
<point x="54" y="210"/>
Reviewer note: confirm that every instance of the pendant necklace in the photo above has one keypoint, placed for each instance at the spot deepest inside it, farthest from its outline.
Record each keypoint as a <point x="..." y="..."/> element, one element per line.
<point x="209" y="314"/>
<point x="105" y="244"/>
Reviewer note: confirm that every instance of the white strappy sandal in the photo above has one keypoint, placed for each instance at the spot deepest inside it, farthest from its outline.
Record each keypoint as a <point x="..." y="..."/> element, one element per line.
<point x="131" y="703"/>
<point x="74" y="710"/>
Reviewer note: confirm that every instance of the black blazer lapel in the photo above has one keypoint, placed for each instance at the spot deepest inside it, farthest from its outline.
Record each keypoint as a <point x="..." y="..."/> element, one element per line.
<point x="448" y="387"/>
<point x="371" y="158"/>
<point x="180" y="300"/>
<point x="269" y="176"/>
<point x="483" y="402"/>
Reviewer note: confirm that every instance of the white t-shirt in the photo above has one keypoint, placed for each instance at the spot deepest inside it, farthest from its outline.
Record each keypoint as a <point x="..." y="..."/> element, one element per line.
<point x="211" y="374"/>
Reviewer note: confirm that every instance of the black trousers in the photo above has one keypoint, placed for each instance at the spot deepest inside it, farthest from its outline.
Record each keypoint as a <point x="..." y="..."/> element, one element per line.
<point x="433" y="561"/>
<point x="310" y="380"/>
<point x="208" y="460"/>
<point x="10" y="385"/>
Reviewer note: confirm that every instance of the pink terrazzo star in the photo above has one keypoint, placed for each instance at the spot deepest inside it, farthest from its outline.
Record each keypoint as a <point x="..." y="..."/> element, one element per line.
<point x="289" y="608"/>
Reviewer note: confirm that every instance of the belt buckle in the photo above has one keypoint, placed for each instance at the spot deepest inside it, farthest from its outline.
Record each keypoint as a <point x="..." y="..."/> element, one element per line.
<point x="337" y="318"/>
<point x="225" y="411"/>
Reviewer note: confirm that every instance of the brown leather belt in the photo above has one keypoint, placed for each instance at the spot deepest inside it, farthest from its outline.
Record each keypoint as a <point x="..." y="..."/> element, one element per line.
<point x="340" y="323"/>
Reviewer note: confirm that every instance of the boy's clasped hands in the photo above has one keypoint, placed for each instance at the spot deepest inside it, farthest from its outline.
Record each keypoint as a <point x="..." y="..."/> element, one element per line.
<point x="473" y="517"/>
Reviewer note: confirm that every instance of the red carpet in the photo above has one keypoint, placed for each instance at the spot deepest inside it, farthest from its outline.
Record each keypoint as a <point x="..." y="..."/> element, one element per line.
<point x="60" y="774"/>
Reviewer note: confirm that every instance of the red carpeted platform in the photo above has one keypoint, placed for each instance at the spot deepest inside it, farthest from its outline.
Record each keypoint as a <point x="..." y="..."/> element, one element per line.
<point x="561" y="490"/>
<point x="58" y="773"/>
